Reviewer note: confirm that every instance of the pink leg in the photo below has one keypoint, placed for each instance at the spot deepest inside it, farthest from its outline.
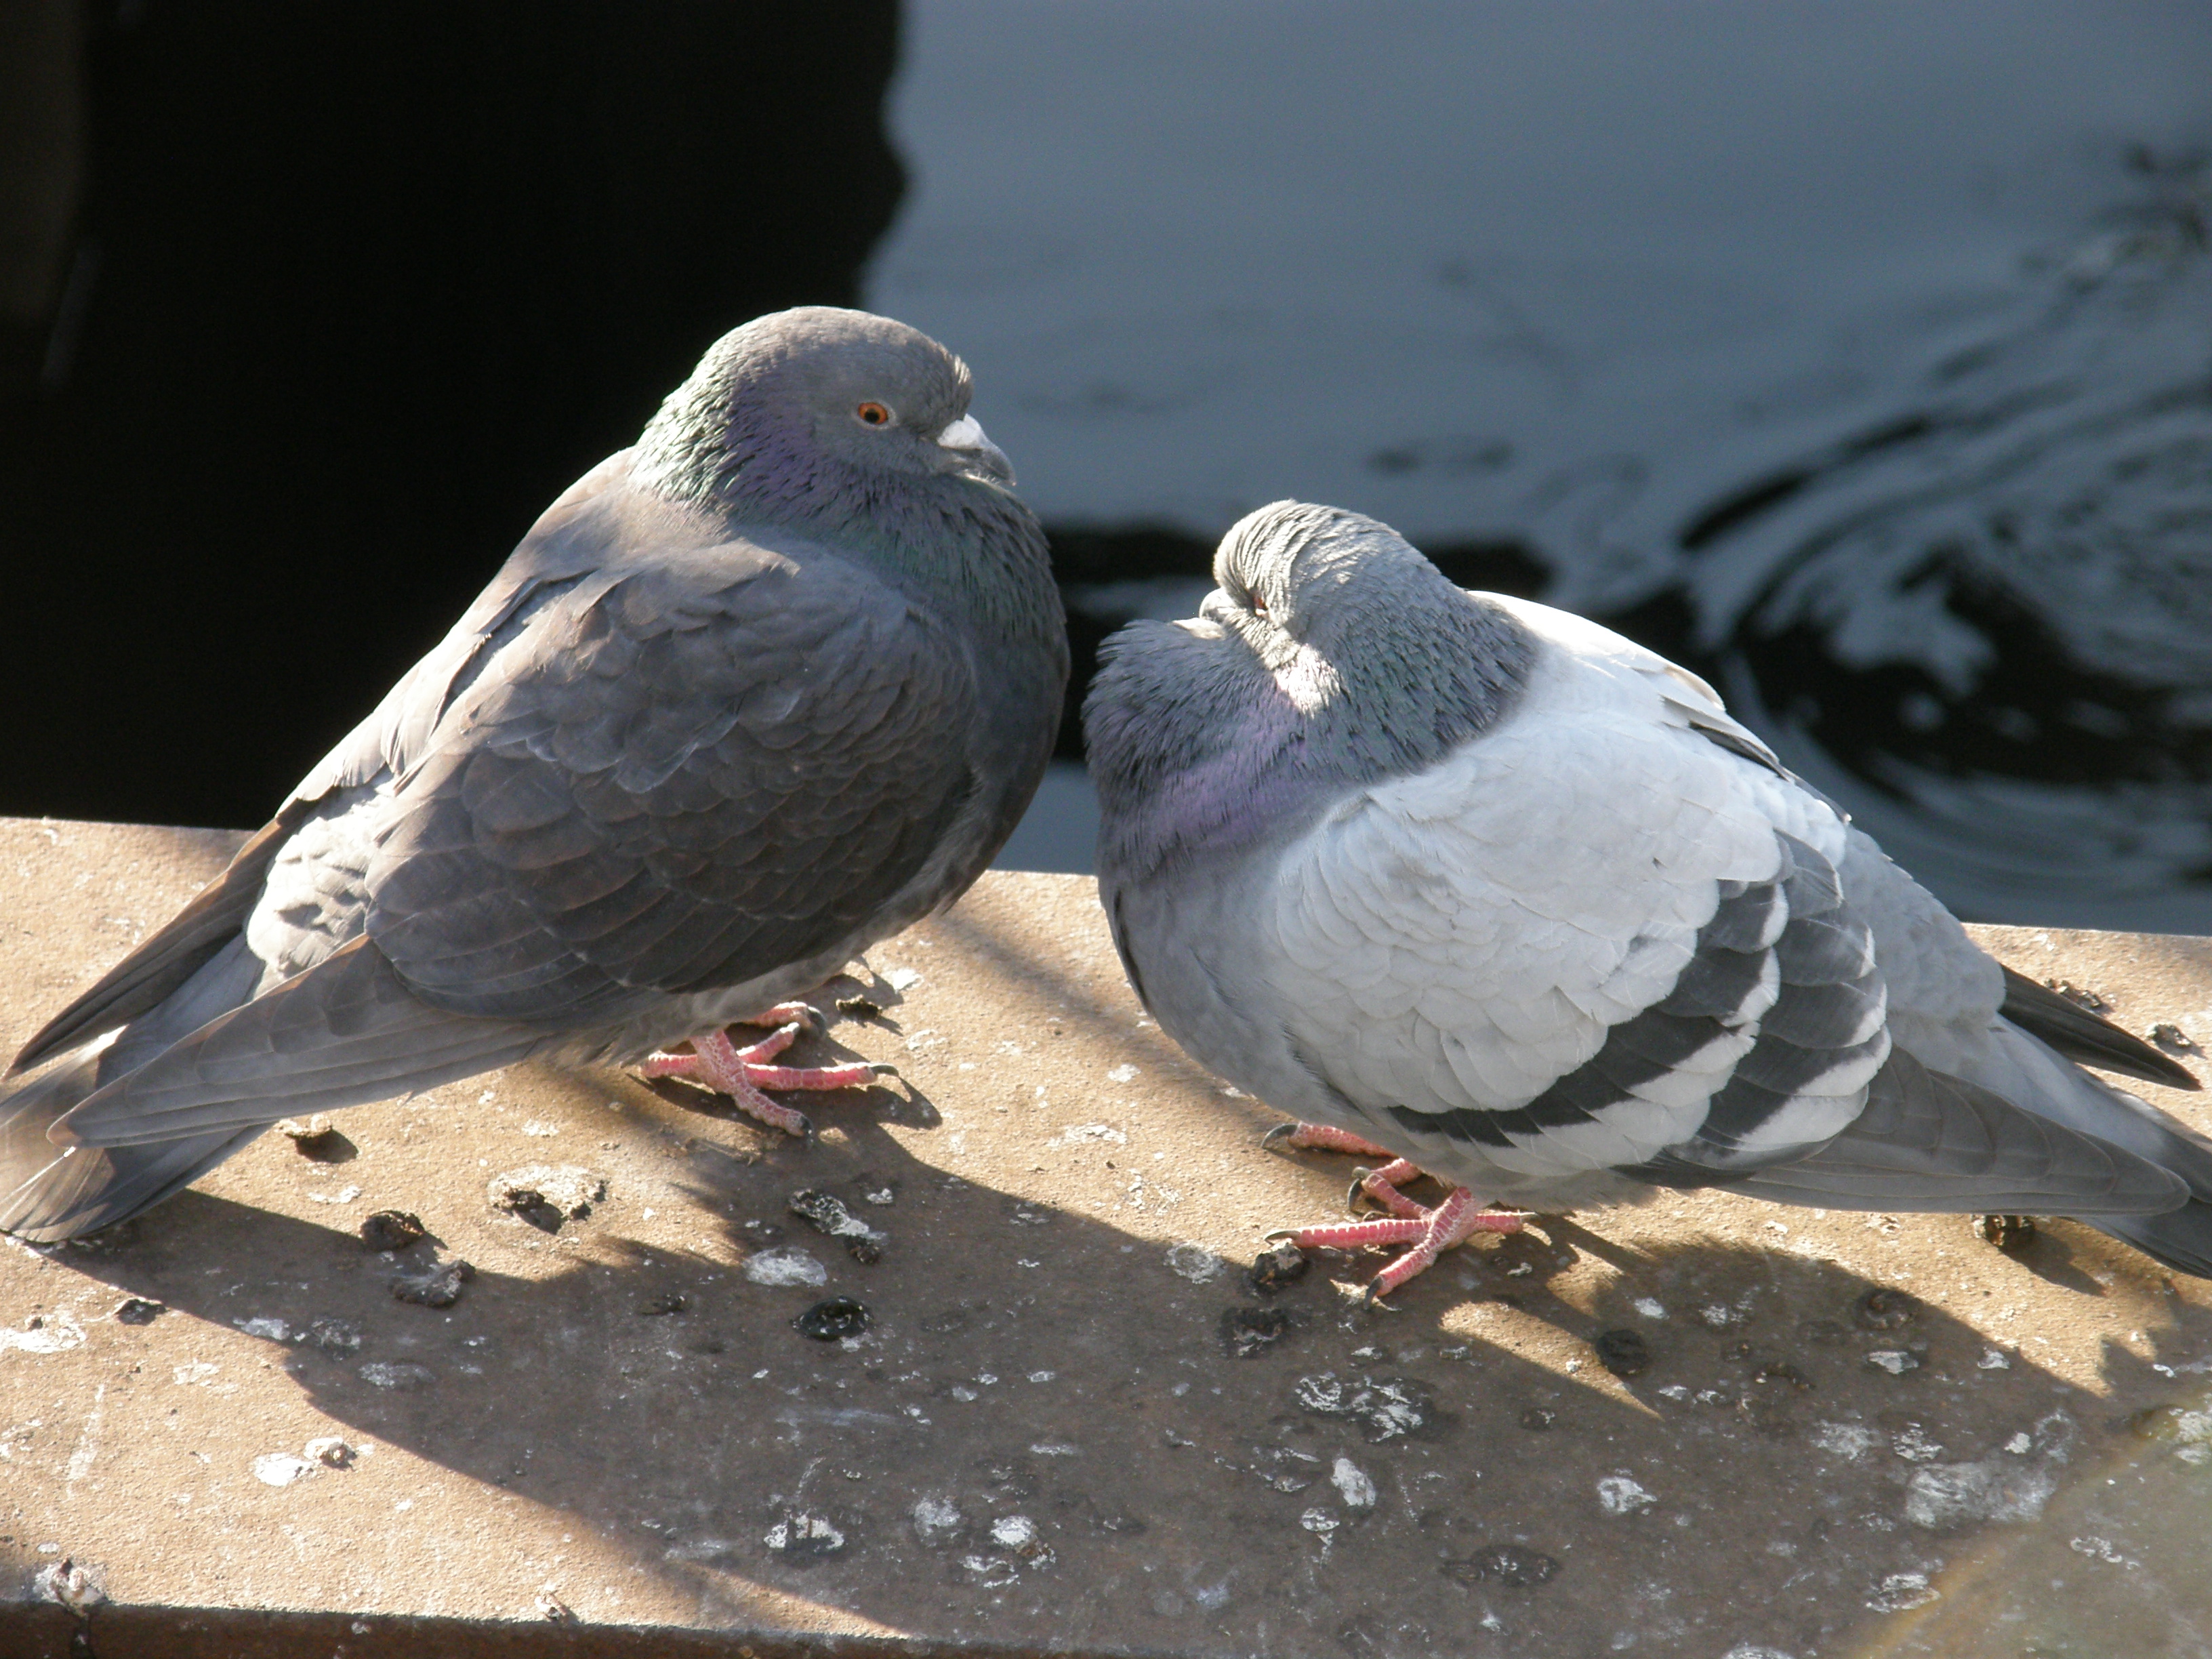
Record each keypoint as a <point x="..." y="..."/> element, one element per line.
<point x="1381" y="1187"/>
<point x="1430" y="1231"/>
<point x="742" y="1074"/>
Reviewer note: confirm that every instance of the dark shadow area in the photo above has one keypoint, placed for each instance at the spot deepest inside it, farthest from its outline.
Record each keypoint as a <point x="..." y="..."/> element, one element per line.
<point x="348" y="295"/>
<point x="119" y="1632"/>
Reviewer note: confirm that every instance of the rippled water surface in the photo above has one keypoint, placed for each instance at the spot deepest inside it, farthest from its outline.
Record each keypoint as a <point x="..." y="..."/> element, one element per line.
<point x="1860" y="357"/>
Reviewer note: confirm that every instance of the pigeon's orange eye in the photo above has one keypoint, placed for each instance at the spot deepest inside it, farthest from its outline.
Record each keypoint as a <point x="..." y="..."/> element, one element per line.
<point x="1259" y="606"/>
<point x="874" y="414"/>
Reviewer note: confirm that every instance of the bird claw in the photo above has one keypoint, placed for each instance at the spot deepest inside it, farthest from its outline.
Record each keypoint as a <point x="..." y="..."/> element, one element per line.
<point x="1371" y="1298"/>
<point x="883" y="1068"/>
<point x="1280" y="1133"/>
<point x="793" y="1013"/>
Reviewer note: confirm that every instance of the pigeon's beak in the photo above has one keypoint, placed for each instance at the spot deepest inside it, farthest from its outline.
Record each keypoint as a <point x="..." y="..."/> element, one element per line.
<point x="965" y="439"/>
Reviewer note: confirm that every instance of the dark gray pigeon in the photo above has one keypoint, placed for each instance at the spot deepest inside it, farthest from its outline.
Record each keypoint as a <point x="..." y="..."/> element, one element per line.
<point x="1474" y="884"/>
<point x="764" y="689"/>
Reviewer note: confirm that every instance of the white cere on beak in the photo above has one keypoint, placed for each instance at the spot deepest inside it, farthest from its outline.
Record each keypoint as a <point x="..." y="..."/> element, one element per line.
<point x="978" y="454"/>
<point x="966" y="432"/>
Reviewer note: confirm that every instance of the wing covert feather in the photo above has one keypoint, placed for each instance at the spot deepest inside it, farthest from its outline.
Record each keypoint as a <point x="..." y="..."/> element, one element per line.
<point x="1493" y="951"/>
<point x="1500" y="901"/>
<point x="695" y="777"/>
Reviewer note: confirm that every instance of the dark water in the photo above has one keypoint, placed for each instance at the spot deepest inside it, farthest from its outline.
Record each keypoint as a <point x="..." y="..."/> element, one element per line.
<point x="1859" y="358"/>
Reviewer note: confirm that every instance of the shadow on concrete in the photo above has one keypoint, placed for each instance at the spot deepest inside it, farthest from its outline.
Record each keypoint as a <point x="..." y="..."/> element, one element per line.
<point x="51" y="1632"/>
<point x="1026" y="1363"/>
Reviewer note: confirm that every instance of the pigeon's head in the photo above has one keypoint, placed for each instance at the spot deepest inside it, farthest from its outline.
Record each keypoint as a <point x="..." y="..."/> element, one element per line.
<point x="1323" y="593"/>
<point x="1331" y="653"/>
<point x="1293" y="578"/>
<point x="818" y="406"/>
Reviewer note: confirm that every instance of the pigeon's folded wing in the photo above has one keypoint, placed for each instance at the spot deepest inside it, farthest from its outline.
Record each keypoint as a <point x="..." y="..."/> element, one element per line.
<point x="1594" y="934"/>
<point x="710" y="768"/>
<point x="561" y="549"/>
<point x="672" y="779"/>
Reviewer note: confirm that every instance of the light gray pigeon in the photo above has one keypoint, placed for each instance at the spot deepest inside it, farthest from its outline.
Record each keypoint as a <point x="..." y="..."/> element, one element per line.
<point x="1479" y="886"/>
<point x="772" y="684"/>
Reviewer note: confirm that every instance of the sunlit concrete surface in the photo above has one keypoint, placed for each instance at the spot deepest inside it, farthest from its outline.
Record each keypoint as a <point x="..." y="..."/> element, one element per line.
<point x="1043" y="1443"/>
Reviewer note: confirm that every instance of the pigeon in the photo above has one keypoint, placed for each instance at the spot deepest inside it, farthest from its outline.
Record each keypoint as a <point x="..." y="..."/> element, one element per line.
<point x="1481" y="888"/>
<point x="774" y="682"/>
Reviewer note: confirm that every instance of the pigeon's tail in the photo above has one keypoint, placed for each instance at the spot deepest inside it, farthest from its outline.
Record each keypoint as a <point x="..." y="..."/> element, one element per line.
<point x="2023" y="1067"/>
<point x="122" y="1123"/>
<point x="2180" y="1239"/>
<point x="196" y="967"/>
<point x="346" y="1031"/>
<point x="2060" y="1142"/>
<point x="2085" y="1037"/>
<point x="50" y="1193"/>
<point x="1930" y="1142"/>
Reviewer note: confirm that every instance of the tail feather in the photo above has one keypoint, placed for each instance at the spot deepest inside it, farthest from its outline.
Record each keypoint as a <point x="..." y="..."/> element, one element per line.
<point x="165" y="963"/>
<point x="2081" y="1035"/>
<point x="50" y="1193"/>
<point x="345" y="1032"/>
<point x="118" y="1128"/>
<point x="2021" y="1066"/>
<point x="2180" y="1239"/>
<point x="1930" y="1142"/>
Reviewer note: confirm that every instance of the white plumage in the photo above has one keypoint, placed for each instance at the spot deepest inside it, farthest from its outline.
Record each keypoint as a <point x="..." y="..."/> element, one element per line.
<point x="1466" y="937"/>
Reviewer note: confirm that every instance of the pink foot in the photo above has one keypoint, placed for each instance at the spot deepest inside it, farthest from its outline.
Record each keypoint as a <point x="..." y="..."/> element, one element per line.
<point x="742" y="1074"/>
<point x="1380" y="1186"/>
<point x="1430" y="1231"/>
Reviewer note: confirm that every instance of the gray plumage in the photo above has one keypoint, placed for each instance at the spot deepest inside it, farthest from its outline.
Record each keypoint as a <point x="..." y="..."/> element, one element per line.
<point x="772" y="684"/>
<point x="1503" y="891"/>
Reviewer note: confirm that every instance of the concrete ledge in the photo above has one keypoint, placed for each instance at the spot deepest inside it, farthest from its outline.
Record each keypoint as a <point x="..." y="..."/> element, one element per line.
<point x="615" y="1440"/>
